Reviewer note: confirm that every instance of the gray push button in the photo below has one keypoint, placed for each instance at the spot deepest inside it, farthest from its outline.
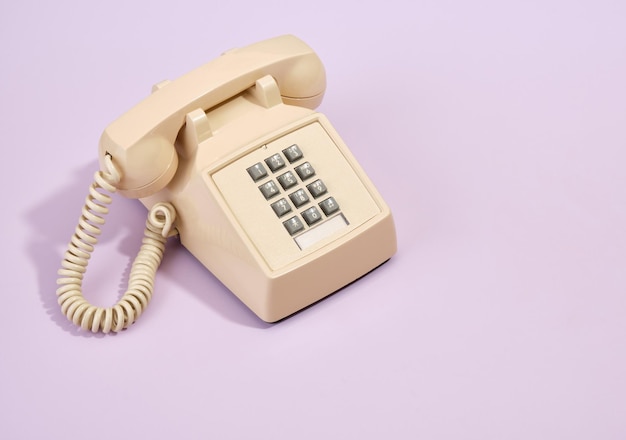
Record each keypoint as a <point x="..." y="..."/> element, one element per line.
<point x="257" y="171"/>
<point x="329" y="206"/>
<point x="281" y="207"/>
<point x="299" y="198"/>
<point x="293" y="225"/>
<point x="292" y="153"/>
<point x="305" y="171"/>
<point x="269" y="189"/>
<point x="287" y="180"/>
<point x="317" y="188"/>
<point x="275" y="162"/>
<point x="311" y="215"/>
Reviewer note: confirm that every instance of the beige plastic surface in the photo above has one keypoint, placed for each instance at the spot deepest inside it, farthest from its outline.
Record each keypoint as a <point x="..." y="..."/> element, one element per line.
<point x="223" y="219"/>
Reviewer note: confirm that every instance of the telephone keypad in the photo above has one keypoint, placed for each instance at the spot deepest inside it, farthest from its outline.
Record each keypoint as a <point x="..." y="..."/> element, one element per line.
<point x="299" y="198"/>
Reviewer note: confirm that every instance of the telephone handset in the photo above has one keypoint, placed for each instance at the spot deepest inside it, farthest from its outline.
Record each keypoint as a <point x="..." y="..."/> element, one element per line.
<point x="258" y="186"/>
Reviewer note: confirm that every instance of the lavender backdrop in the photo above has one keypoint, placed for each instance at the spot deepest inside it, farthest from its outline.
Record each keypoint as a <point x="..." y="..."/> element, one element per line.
<point x="496" y="132"/>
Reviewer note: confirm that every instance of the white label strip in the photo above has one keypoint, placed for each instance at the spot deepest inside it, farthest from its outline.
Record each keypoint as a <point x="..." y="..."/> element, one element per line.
<point x="329" y="227"/>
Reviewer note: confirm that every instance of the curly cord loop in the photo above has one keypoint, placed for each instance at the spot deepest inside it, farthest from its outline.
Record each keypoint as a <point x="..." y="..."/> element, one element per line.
<point x="159" y="226"/>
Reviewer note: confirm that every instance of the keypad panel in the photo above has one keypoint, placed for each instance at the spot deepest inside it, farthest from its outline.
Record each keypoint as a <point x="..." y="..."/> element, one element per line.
<point x="290" y="175"/>
<point x="280" y="231"/>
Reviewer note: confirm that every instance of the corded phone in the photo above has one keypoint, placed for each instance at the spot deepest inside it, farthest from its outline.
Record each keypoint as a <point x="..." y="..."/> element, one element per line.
<point x="258" y="186"/>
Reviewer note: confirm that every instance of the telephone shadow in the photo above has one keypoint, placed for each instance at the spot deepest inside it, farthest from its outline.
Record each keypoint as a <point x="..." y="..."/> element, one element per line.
<point x="53" y="222"/>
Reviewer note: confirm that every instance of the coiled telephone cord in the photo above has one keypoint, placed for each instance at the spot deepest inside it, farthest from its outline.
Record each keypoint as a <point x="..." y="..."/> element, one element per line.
<point x="141" y="280"/>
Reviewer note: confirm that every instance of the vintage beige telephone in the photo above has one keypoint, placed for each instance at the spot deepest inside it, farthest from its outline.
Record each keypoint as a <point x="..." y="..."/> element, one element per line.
<point x="259" y="187"/>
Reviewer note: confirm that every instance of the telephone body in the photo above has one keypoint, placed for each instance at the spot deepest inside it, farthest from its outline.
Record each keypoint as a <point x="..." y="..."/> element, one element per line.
<point x="268" y="196"/>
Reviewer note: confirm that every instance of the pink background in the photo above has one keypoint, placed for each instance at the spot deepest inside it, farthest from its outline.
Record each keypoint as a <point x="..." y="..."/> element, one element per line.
<point x="496" y="132"/>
